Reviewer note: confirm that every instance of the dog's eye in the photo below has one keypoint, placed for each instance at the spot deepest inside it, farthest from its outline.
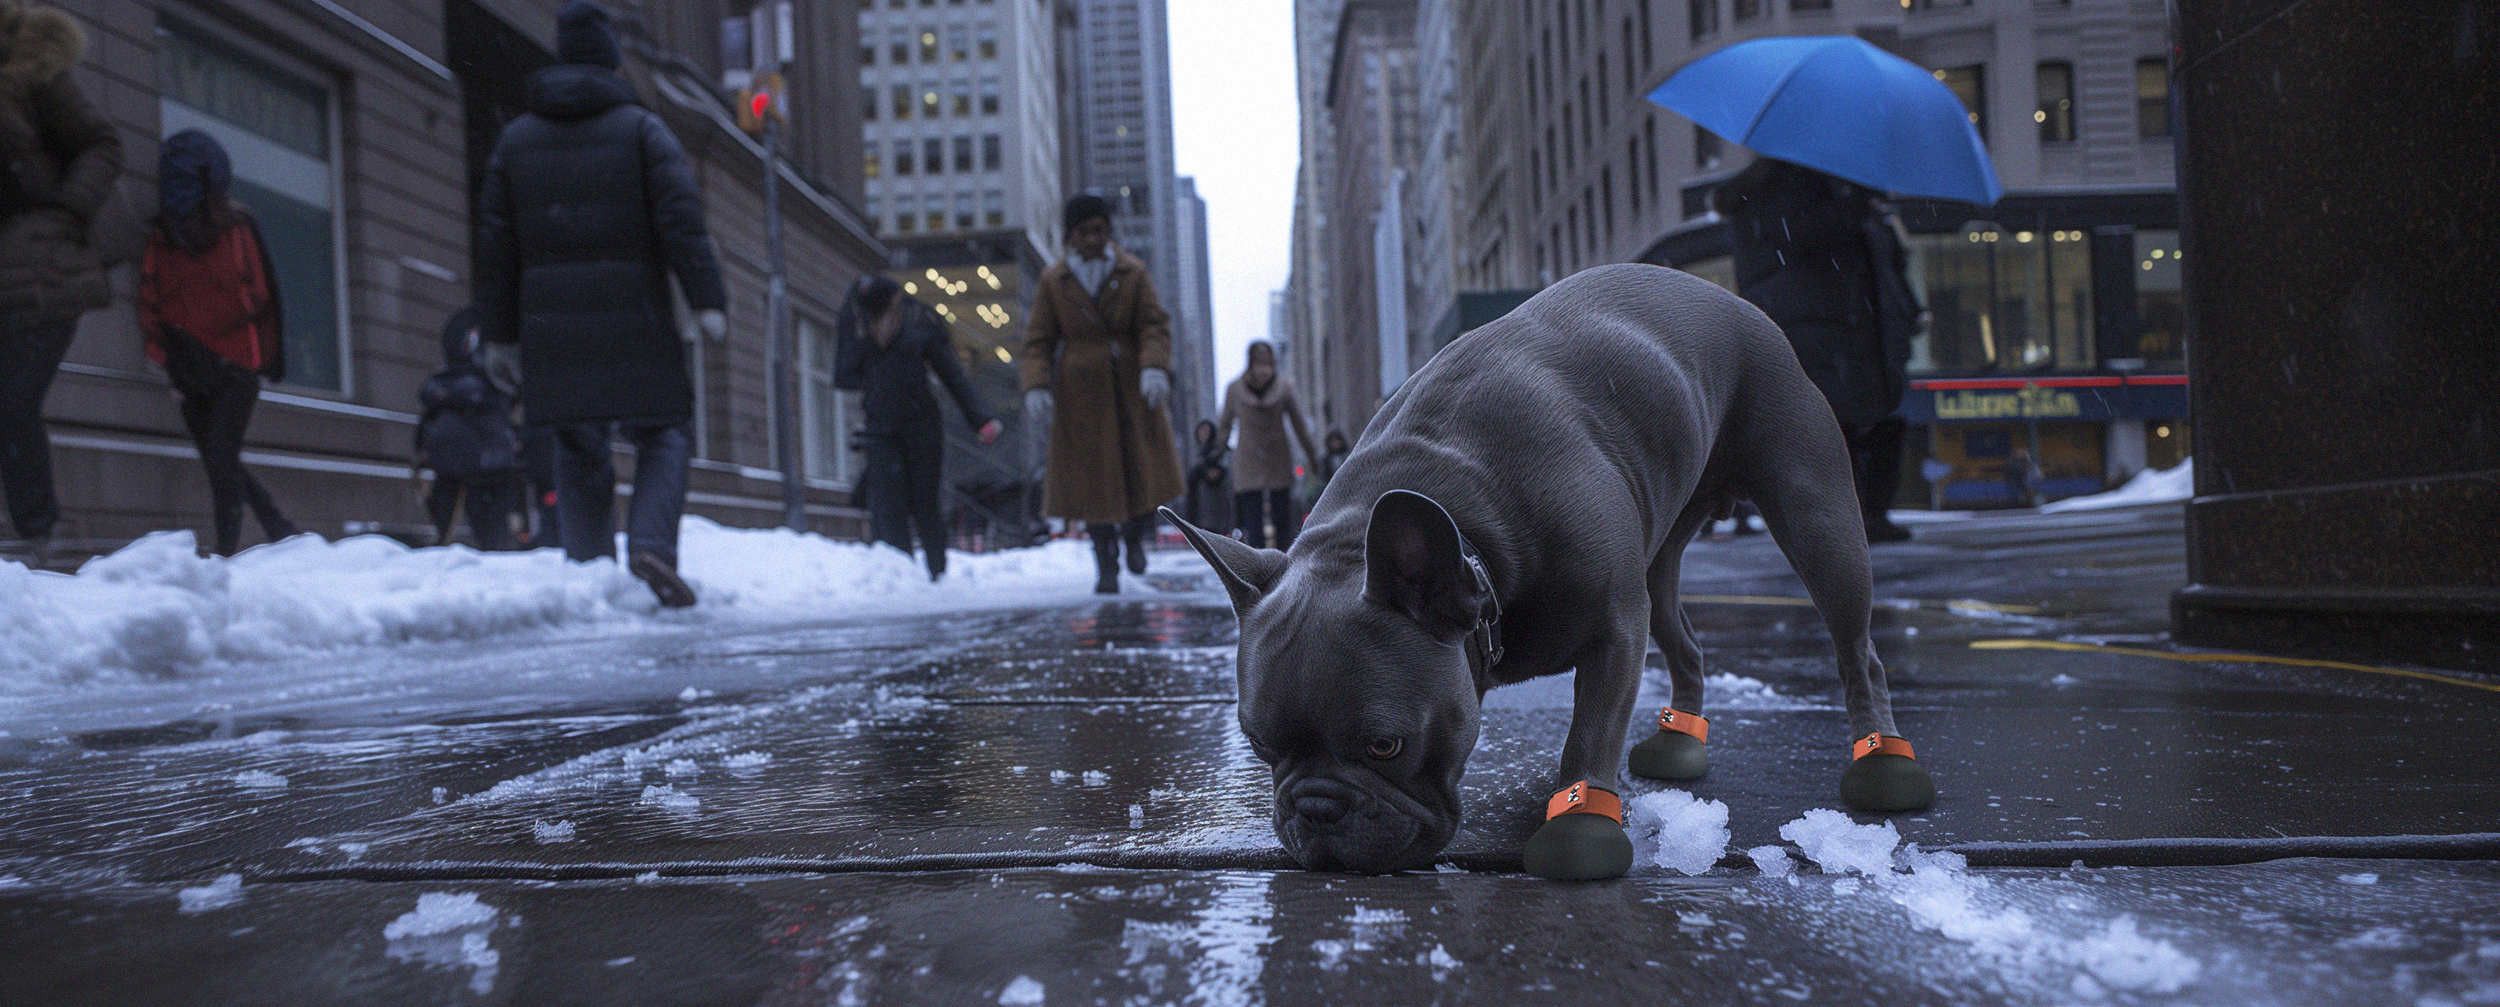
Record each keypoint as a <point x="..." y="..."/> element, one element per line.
<point x="1385" y="747"/>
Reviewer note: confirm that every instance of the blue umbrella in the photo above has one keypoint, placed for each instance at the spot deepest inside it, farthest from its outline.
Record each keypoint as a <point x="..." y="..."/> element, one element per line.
<point x="1840" y="105"/>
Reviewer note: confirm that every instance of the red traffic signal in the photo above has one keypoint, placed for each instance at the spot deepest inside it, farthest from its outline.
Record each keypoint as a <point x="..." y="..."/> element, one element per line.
<point x="759" y="103"/>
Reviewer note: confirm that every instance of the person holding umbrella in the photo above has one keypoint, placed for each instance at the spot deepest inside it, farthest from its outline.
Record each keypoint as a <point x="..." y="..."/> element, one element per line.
<point x="1835" y="123"/>
<point x="1820" y="255"/>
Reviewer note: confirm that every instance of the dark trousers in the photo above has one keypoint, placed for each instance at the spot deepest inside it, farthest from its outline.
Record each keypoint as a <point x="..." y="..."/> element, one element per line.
<point x="31" y="347"/>
<point x="216" y="413"/>
<point x="489" y="501"/>
<point x="586" y="487"/>
<point x="902" y="480"/>
<point x="538" y="461"/>
<point x="1875" y="462"/>
<point x="1254" y="510"/>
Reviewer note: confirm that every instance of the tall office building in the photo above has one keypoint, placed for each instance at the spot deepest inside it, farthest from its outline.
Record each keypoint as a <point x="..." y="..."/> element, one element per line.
<point x="1119" y="119"/>
<point x="960" y="117"/>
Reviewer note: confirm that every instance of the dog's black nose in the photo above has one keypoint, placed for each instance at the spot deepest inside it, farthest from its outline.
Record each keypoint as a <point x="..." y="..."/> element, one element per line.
<point x="1321" y="809"/>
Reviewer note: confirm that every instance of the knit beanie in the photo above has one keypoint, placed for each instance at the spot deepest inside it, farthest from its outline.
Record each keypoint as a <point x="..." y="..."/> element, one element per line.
<point x="583" y="35"/>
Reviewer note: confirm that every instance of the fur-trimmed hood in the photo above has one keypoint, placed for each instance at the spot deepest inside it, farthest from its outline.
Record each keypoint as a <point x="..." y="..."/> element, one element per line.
<point x="37" y="44"/>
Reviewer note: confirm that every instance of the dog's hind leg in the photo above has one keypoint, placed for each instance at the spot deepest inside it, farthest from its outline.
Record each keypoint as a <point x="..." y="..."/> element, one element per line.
<point x="1800" y="477"/>
<point x="1678" y="750"/>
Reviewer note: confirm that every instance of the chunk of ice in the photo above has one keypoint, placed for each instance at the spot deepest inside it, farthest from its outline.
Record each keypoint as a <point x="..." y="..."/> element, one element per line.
<point x="1772" y="861"/>
<point x="1023" y="992"/>
<point x="1672" y="829"/>
<point x="225" y="891"/>
<point x="259" y="779"/>
<point x="552" y="832"/>
<point x="667" y="797"/>
<point x="440" y="912"/>
<point x="1840" y="846"/>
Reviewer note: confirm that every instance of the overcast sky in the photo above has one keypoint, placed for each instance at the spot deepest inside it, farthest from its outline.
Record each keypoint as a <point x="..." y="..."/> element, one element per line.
<point x="1234" y="127"/>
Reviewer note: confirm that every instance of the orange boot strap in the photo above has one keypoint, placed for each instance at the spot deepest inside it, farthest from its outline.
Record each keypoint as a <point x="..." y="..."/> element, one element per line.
<point x="1580" y="798"/>
<point x="1672" y="719"/>
<point x="1879" y="744"/>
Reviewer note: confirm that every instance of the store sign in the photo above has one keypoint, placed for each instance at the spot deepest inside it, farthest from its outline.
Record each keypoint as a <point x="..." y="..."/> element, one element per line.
<point x="2028" y="403"/>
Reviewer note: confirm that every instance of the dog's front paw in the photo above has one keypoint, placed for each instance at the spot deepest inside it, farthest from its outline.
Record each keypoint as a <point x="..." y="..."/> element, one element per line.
<point x="1671" y="756"/>
<point x="1680" y="749"/>
<point x="1582" y="838"/>
<point x="1885" y="777"/>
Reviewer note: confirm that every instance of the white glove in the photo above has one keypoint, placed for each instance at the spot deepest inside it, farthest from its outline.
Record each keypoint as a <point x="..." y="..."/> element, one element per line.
<point x="1156" y="384"/>
<point x="715" y="322"/>
<point x="503" y="365"/>
<point x="1037" y="407"/>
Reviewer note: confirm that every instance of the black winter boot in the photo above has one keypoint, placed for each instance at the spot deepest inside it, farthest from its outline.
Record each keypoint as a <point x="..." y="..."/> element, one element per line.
<point x="1135" y="532"/>
<point x="1106" y="557"/>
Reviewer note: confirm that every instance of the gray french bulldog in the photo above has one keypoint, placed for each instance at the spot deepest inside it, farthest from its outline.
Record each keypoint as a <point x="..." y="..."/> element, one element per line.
<point x="1517" y="509"/>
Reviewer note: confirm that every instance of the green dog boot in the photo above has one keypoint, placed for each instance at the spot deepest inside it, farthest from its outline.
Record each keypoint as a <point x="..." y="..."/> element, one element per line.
<point x="1582" y="838"/>
<point x="1679" y="751"/>
<point x="1886" y="777"/>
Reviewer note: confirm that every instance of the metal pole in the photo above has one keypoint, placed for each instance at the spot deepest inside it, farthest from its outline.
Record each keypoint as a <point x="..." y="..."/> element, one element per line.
<point x="779" y="338"/>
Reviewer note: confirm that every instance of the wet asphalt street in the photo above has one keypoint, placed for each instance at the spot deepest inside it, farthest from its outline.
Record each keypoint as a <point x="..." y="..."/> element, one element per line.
<point x="1053" y="806"/>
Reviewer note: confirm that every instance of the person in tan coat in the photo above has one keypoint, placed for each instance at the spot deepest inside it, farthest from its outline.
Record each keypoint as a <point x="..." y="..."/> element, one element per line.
<point x="1262" y="402"/>
<point x="1097" y="372"/>
<point x="59" y="159"/>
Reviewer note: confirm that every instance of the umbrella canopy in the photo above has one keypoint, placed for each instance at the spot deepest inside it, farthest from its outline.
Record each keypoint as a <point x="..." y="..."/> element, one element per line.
<point x="1840" y="105"/>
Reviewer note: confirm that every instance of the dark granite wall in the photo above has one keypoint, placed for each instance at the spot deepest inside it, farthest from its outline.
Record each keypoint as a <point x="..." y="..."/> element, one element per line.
<point x="2340" y="190"/>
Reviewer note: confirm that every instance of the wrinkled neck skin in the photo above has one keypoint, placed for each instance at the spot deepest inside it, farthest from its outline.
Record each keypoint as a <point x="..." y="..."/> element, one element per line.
<point x="1323" y="672"/>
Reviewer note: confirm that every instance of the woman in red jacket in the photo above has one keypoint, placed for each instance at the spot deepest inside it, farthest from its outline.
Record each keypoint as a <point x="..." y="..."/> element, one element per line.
<point x="208" y="305"/>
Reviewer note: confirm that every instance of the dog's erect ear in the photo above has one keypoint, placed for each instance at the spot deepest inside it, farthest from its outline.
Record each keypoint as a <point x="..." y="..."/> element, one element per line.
<point x="1414" y="564"/>
<point x="1247" y="573"/>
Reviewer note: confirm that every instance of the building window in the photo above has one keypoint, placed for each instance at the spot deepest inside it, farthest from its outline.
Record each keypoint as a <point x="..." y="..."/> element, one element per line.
<point x="2008" y="300"/>
<point x="961" y="88"/>
<point x="902" y="157"/>
<point x="1970" y="83"/>
<point x="1629" y="81"/>
<point x="963" y="210"/>
<point x="902" y="101"/>
<point x="1798" y="5"/>
<point x="1748" y="9"/>
<point x="989" y="96"/>
<point x="963" y="154"/>
<point x="826" y="420"/>
<point x="871" y="168"/>
<point x="932" y="155"/>
<point x="2056" y="114"/>
<point x="868" y="102"/>
<point x="1649" y="133"/>
<point x="275" y="126"/>
<point x="867" y="50"/>
<point x="1705" y="17"/>
<point x="906" y="212"/>
<point x="1632" y="172"/>
<point x="928" y="45"/>
<point x="2152" y="98"/>
<point x="1706" y="153"/>
<point x="988" y="44"/>
<point x="993" y="208"/>
<point x="2160" y="312"/>
<point x="898" y="46"/>
<point x="937" y="213"/>
<point x="1647" y="39"/>
<point x="958" y="42"/>
<point x="929" y="100"/>
<point x="1606" y="189"/>
<point x="990" y="156"/>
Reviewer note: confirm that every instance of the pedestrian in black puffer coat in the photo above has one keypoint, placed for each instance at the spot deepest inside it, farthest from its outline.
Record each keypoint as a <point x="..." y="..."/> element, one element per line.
<point x="890" y="345"/>
<point x="588" y="205"/>
<point x="467" y="437"/>
<point x="1822" y="257"/>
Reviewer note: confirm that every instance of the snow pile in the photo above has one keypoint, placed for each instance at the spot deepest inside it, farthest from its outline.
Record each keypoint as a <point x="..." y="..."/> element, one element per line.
<point x="1725" y="691"/>
<point x="1940" y="894"/>
<point x="552" y="832"/>
<point x="259" y="779"/>
<point x="1023" y="992"/>
<point x="667" y="797"/>
<point x="448" y="930"/>
<point x="2150" y="486"/>
<point x="157" y="608"/>
<point x="1672" y="829"/>
<point x="225" y="891"/>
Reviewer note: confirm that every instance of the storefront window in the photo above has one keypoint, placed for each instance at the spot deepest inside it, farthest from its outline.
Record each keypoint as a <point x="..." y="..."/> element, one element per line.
<point x="827" y="410"/>
<point x="2157" y="305"/>
<point x="275" y="127"/>
<point x="2003" y="300"/>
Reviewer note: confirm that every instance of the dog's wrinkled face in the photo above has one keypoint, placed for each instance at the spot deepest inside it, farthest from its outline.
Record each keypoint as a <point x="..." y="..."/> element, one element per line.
<point x="1356" y="690"/>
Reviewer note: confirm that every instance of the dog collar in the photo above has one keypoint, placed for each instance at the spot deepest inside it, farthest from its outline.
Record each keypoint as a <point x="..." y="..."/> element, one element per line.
<point x="1582" y="799"/>
<point x="1484" y="640"/>
<point x="1880" y="744"/>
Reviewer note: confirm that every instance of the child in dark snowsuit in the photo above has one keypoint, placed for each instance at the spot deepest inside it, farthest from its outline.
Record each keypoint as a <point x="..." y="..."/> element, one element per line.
<point x="467" y="438"/>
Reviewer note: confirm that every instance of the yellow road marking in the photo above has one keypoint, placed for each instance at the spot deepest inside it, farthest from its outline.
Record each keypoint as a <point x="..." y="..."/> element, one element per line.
<point x="2247" y="658"/>
<point x="1948" y="604"/>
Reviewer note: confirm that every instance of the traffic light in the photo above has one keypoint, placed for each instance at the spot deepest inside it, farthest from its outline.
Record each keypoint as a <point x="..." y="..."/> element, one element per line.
<point x="759" y="103"/>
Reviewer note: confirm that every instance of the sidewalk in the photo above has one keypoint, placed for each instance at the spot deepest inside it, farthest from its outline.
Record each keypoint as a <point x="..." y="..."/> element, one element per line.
<point x="1054" y="806"/>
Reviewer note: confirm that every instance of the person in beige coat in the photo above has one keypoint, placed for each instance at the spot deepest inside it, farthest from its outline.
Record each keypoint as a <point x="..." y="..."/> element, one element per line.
<point x="1097" y="374"/>
<point x="1263" y="403"/>
<point x="59" y="160"/>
